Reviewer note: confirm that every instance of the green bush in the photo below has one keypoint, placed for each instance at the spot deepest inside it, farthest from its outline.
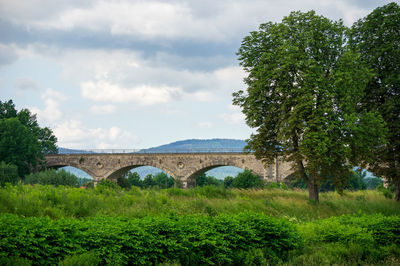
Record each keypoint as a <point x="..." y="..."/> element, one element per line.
<point x="53" y="177"/>
<point x="84" y="259"/>
<point x="228" y="181"/>
<point x="387" y="192"/>
<point x="15" y="261"/>
<point x="162" y="180"/>
<point x="247" y="179"/>
<point x="350" y="239"/>
<point x="8" y="173"/>
<point x="123" y="182"/>
<point x="106" y="184"/>
<point x="185" y="240"/>
<point x="205" y="180"/>
<point x="134" y="179"/>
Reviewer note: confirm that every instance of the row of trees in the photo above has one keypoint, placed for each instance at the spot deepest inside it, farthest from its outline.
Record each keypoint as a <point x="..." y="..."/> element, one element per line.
<point x="244" y="180"/>
<point x="324" y="96"/>
<point x="160" y="180"/>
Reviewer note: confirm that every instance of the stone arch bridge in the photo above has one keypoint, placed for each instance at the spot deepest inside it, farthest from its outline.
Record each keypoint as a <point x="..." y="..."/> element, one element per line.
<point x="183" y="166"/>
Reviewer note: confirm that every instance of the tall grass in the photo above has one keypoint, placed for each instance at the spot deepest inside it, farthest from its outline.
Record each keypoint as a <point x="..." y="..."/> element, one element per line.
<point x="59" y="202"/>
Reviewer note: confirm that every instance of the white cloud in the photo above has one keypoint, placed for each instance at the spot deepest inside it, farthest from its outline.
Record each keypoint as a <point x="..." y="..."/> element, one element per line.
<point x="103" y="109"/>
<point x="208" y="20"/>
<point x="51" y="113"/>
<point x="234" y="116"/>
<point x="201" y="96"/>
<point x="144" y="95"/>
<point x="74" y="134"/>
<point x="125" y="76"/>
<point x="148" y="19"/>
<point x="230" y="78"/>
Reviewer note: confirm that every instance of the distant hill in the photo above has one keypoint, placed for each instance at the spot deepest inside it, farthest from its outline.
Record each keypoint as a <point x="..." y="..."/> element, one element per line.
<point x="184" y="146"/>
<point x="69" y="151"/>
<point x="200" y="145"/>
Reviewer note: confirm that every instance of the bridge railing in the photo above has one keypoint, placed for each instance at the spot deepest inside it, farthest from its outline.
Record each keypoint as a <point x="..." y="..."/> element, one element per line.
<point x="144" y="151"/>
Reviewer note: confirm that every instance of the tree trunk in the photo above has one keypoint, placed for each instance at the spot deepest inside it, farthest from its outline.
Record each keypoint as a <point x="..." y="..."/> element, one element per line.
<point x="397" y="191"/>
<point x="313" y="190"/>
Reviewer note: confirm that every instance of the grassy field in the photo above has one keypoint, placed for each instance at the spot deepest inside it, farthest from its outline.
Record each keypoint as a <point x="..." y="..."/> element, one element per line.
<point x="356" y="228"/>
<point x="59" y="202"/>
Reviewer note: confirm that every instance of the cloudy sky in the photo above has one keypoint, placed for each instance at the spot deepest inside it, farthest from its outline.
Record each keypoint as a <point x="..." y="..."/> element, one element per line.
<point x="137" y="74"/>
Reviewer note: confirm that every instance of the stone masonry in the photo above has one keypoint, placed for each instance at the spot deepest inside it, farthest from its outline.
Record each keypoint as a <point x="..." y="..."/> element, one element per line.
<point x="183" y="166"/>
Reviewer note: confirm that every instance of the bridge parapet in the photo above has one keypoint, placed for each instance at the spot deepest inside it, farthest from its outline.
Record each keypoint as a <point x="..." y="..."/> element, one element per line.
<point x="151" y="151"/>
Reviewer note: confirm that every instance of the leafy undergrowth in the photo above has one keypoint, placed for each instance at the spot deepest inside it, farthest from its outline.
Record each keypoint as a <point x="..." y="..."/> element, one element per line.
<point x="207" y="225"/>
<point x="356" y="239"/>
<point x="185" y="240"/>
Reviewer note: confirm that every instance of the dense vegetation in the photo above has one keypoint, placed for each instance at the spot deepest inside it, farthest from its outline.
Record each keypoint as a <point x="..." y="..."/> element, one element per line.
<point x="376" y="37"/>
<point x="187" y="239"/>
<point x="60" y="202"/>
<point x="236" y="221"/>
<point x="106" y="225"/>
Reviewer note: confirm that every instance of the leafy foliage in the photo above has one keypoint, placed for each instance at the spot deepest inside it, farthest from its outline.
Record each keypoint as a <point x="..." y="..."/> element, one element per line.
<point x="357" y="181"/>
<point x="8" y="173"/>
<point x="22" y="142"/>
<point x="351" y="239"/>
<point x="18" y="146"/>
<point x="303" y="87"/>
<point x="53" y="177"/>
<point x="247" y="179"/>
<point x="162" y="180"/>
<point x="187" y="239"/>
<point x="377" y="38"/>
<point x="134" y="179"/>
<point x="205" y="180"/>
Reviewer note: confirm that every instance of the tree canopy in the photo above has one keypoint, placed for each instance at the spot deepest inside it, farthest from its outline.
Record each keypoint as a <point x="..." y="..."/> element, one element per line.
<point x="22" y="141"/>
<point x="304" y="85"/>
<point x="377" y="38"/>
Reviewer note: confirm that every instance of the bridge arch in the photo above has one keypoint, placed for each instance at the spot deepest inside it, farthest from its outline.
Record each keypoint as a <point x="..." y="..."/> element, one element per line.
<point x="198" y="171"/>
<point x="57" y="165"/>
<point x="123" y="169"/>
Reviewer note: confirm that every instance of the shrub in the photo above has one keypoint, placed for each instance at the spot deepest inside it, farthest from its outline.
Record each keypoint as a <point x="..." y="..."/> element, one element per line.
<point x="52" y="177"/>
<point x="148" y="181"/>
<point x="186" y="240"/>
<point x="228" y="181"/>
<point x="106" y="184"/>
<point x="387" y="192"/>
<point x="134" y="179"/>
<point x="84" y="259"/>
<point x="123" y="182"/>
<point x="162" y="180"/>
<point x="247" y="179"/>
<point x="8" y="173"/>
<point x="351" y="239"/>
<point x="205" y="180"/>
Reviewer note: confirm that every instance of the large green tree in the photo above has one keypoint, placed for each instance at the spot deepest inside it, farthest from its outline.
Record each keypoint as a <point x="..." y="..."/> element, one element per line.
<point x="22" y="141"/>
<point x="18" y="146"/>
<point x="303" y="90"/>
<point x="377" y="37"/>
